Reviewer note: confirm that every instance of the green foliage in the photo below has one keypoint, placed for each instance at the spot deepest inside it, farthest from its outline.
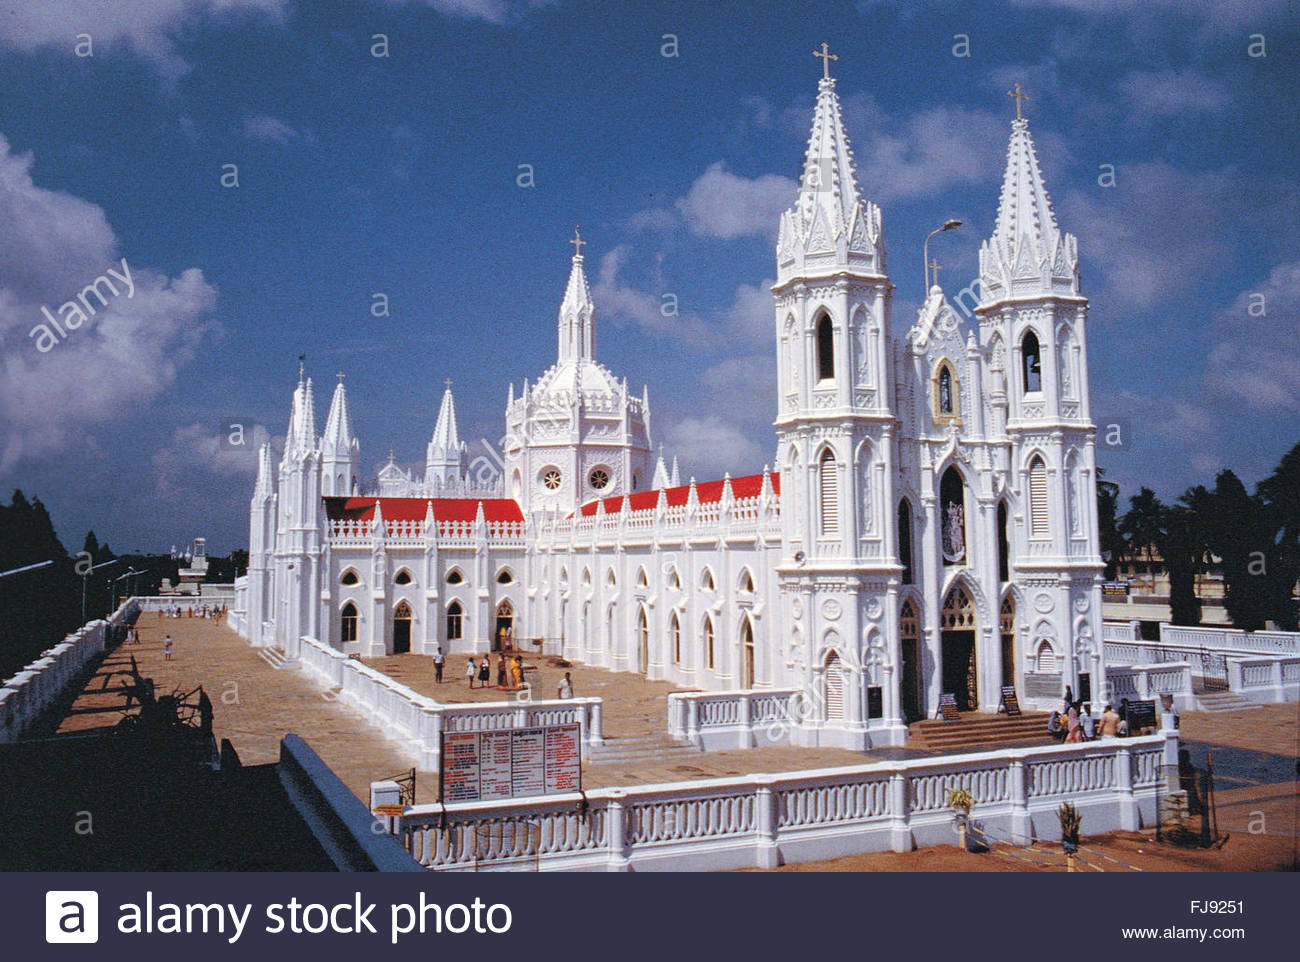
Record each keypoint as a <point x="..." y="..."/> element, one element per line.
<point x="1071" y="821"/>
<point x="961" y="800"/>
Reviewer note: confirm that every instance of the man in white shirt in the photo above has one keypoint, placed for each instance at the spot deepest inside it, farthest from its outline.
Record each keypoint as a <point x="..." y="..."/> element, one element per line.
<point x="566" y="686"/>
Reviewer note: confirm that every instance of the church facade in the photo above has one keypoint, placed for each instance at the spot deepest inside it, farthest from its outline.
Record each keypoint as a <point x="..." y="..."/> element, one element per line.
<point x="926" y="531"/>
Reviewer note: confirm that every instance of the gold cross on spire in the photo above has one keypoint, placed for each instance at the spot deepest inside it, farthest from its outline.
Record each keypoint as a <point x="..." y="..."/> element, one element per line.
<point x="827" y="57"/>
<point x="1020" y="97"/>
<point x="577" y="243"/>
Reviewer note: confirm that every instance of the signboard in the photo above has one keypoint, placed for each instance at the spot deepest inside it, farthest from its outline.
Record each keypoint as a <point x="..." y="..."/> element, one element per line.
<point x="948" y="707"/>
<point x="1114" y="589"/>
<point x="390" y="809"/>
<point x="1141" y="714"/>
<point x="875" y="702"/>
<point x="511" y="763"/>
<point x="1010" y="703"/>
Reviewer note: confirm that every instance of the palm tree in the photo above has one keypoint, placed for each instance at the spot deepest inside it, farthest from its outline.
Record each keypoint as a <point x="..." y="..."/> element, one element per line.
<point x="1141" y="524"/>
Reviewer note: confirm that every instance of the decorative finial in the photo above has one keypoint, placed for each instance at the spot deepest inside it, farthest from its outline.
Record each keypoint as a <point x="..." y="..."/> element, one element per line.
<point x="302" y="366"/>
<point x="827" y="57"/>
<point x="577" y="243"/>
<point x="391" y="456"/>
<point x="447" y="383"/>
<point x="1019" y="98"/>
<point x="340" y="376"/>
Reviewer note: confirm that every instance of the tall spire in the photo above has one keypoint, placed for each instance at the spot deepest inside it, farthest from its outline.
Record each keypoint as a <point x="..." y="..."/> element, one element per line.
<point x="1028" y="254"/>
<point x="831" y="225"/>
<point x="265" y="486"/>
<point x="661" y="472"/>
<point x="444" y="459"/>
<point x="577" y="327"/>
<point x="340" y="450"/>
<point x="301" y="436"/>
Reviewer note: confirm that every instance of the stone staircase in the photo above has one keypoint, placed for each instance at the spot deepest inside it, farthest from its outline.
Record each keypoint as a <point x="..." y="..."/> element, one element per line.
<point x="641" y="749"/>
<point x="1222" y="701"/>
<point x="978" y="732"/>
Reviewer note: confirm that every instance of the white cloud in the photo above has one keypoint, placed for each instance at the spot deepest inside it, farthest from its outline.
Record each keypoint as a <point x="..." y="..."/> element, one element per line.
<point x="933" y="150"/>
<point x="266" y="128"/>
<point x="147" y="28"/>
<point x="1214" y="13"/>
<point x="724" y="205"/>
<point x="1254" y="358"/>
<point x="1173" y="93"/>
<point x="709" y="447"/>
<point x="53" y="245"/>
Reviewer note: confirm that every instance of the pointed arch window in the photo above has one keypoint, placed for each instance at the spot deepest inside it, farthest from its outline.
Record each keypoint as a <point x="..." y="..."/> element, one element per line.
<point x="675" y="637"/>
<point x="829" y="484"/>
<point x="905" y="540"/>
<point x="402" y="577"/>
<point x="707" y="638"/>
<point x="349" y="578"/>
<point x="641" y="580"/>
<point x="706" y="580"/>
<point x="454" y="621"/>
<point x="952" y="517"/>
<point x="348" y="623"/>
<point x="1039" y="524"/>
<point x="1032" y="360"/>
<point x="454" y="577"/>
<point x="825" y="349"/>
<point x="746" y="581"/>
<point x="674" y="580"/>
<point x="504" y="577"/>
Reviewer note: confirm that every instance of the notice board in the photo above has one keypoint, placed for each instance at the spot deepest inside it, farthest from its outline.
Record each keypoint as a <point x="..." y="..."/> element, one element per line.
<point x="510" y="763"/>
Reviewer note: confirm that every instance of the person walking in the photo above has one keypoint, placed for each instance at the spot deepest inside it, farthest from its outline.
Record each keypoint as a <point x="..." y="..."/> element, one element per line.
<point x="1088" y="723"/>
<point x="167" y="648"/>
<point x="517" y="674"/>
<point x="437" y="664"/>
<point x="566" y="686"/>
<point x="485" y="672"/>
<point x="471" y="671"/>
<point x="501" y="672"/>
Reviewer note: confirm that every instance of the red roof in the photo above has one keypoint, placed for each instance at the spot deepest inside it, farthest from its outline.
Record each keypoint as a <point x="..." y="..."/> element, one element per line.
<point x="749" y="486"/>
<point x="414" y="509"/>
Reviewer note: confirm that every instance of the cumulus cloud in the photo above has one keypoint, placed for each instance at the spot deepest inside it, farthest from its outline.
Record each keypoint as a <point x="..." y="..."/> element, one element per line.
<point x="708" y="447"/>
<point x="1213" y="13"/>
<point x="54" y="245"/>
<point x="724" y="205"/>
<point x="146" y="28"/>
<point x="266" y="128"/>
<point x="1173" y="93"/>
<point x="1254" y="358"/>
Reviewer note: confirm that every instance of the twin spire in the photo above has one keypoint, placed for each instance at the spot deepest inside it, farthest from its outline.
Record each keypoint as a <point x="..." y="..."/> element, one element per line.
<point x="577" y="323"/>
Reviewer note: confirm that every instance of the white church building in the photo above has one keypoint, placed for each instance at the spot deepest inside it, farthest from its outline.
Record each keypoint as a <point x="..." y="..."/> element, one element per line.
<point x="928" y="526"/>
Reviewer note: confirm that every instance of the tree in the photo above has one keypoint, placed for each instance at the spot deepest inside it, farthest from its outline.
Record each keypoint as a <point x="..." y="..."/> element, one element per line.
<point x="1236" y="526"/>
<point x="1181" y="541"/>
<point x="1114" y="548"/>
<point x="1140" y="525"/>
<point x="1280" y="493"/>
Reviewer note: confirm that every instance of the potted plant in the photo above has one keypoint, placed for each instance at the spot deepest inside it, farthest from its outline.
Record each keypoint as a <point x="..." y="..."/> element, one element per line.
<point x="960" y="801"/>
<point x="1070" y="821"/>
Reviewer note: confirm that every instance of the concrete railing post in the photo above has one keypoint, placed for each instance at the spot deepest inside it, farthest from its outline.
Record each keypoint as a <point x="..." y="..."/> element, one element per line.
<point x="616" y="827"/>
<point x="900" y="829"/>
<point x="693" y="722"/>
<point x="1022" y="826"/>
<point x="768" y="854"/>
<point x="745" y="739"/>
<point x="1129" y="816"/>
<point x="596" y="733"/>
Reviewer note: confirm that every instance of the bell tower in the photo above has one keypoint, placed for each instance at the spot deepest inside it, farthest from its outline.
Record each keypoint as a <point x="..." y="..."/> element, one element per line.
<point x="839" y="574"/>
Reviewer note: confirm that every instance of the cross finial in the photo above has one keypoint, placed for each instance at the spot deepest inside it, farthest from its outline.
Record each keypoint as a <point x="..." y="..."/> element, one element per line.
<point x="302" y="365"/>
<point x="447" y="383"/>
<point x="827" y="57"/>
<point x="1020" y="97"/>
<point x="577" y="243"/>
<point x="340" y="376"/>
<point x="934" y="266"/>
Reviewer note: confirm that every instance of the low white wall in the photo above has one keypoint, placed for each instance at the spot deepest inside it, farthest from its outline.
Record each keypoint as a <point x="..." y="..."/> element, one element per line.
<point x="416" y="721"/>
<point x="767" y="820"/>
<point x="33" y="689"/>
<point x="1265" y="679"/>
<point x="1148" y="682"/>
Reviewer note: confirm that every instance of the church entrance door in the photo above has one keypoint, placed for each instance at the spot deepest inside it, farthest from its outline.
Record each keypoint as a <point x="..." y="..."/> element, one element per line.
<point x="911" y="674"/>
<point x="504" y="634"/>
<point x="402" y="629"/>
<point x="959" y="623"/>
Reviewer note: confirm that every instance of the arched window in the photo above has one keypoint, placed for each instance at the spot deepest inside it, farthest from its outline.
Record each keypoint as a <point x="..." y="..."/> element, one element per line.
<point x="1004" y="544"/>
<point x="611" y="579"/>
<point x="674" y="580"/>
<point x="707" y="637"/>
<point x="958" y="612"/>
<point x="586" y="577"/>
<point x="1032" y="360"/>
<point x="706" y="580"/>
<point x="675" y="637"/>
<point x="454" y="621"/>
<point x="834" y="688"/>
<point x="944" y="396"/>
<point x="825" y="349"/>
<point x="402" y="577"/>
<point x="349" y="578"/>
<point x="348" y="622"/>
<point x="746" y="654"/>
<point x="952" y="517"/>
<point x="1039" y="525"/>
<point x="641" y="580"/>
<point x="905" y="540"/>
<point x="1046" y="659"/>
<point x="454" y="577"/>
<point x="746" y="581"/>
<point x="829" y="483"/>
<point x="504" y="577"/>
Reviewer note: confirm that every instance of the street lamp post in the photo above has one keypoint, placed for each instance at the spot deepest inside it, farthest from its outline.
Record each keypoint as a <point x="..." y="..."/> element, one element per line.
<point x="925" y="249"/>
<point x="85" y="576"/>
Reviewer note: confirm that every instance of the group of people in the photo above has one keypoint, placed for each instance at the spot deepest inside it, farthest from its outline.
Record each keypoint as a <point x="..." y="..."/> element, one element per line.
<point x="510" y="676"/>
<point x="215" y="612"/>
<point x="1075" y="723"/>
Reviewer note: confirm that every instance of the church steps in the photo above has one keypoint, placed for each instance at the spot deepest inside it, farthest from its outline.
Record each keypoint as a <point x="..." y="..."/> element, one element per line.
<point x="975" y="730"/>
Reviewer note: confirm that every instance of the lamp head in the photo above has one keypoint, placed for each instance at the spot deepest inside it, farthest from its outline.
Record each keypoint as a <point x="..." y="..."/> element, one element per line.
<point x="951" y="225"/>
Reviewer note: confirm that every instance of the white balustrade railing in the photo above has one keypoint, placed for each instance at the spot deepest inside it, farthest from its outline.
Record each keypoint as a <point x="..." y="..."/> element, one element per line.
<point x="1146" y="682"/>
<point x="764" y="820"/>
<point x="734" y="719"/>
<point x="39" y="684"/>
<point x="416" y="721"/>
<point x="1266" y="679"/>
<point x="1232" y="640"/>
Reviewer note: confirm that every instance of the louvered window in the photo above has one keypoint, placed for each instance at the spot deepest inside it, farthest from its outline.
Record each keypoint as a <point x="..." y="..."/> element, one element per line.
<point x="1038" y="523"/>
<point x="834" y="688"/>
<point x="830" y="494"/>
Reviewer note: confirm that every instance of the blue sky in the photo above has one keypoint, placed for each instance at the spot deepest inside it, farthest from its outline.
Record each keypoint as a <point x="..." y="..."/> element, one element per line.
<point x="399" y="175"/>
